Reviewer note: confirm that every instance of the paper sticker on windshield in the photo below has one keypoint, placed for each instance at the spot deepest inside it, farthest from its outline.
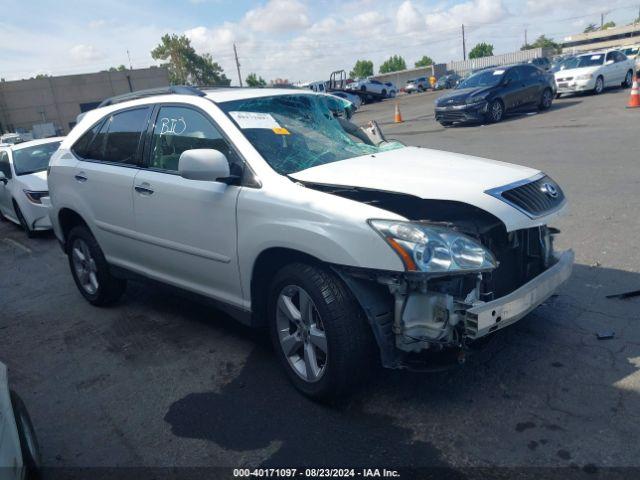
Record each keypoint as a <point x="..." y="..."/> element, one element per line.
<point x="498" y="72"/>
<point x="596" y="57"/>
<point x="248" y="120"/>
<point x="281" y="131"/>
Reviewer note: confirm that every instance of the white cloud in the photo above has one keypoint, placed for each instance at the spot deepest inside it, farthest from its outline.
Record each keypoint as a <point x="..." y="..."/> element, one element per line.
<point x="278" y="16"/>
<point x="409" y="18"/>
<point x="473" y="12"/>
<point x="85" y="53"/>
<point x="97" y="23"/>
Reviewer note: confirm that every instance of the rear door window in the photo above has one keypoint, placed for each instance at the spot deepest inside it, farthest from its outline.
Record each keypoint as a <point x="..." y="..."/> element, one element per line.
<point x="117" y="139"/>
<point x="5" y="167"/>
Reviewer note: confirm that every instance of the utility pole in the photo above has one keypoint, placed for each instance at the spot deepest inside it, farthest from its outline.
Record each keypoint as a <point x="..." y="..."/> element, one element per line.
<point x="526" y="43"/>
<point x="235" y="52"/>
<point x="129" y="56"/>
<point x="601" y="20"/>
<point x="464" y="45"/>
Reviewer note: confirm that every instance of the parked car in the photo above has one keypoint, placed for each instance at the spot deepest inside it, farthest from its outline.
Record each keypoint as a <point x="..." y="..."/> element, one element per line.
<point x="419" y="84"/>
<point x="633" y="53"/>
<point x="593" y="72"/>
<point x="10" y="139"/>
<point x="490" y="93"/>
<point x="351" y="253"/>
<point x="541" y="62"/>
<point x="369" y="85"/>
<point x="561" y="63"/>
<point x="448" y="81"/>
<point x="19" y="450"/>
<point x="24" y="194"/>
<point x="392" y="90"/>
<point x="354" y="99"/>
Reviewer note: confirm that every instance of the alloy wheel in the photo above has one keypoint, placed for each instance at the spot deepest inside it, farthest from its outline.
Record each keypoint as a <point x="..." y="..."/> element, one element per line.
<point x="301" y="333"/>
<point x="599" y="85"/>
<point x="546" y="99"/>
<point x="85" y="266"/>
<point x="496" y="111"/>
<point x="628" y="80"/>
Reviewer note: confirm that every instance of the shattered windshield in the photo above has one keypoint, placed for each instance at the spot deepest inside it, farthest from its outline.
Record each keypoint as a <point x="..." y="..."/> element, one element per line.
<point x="296" y="132"/>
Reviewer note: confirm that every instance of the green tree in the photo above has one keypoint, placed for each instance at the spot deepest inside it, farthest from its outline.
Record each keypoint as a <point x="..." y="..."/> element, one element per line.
<point x="592" y="27"/>
<point x="608" y="25"/>
<point x="185" y="66"/>
<point x="254" y="81"/>
<point x="362" y="69"/>
<point x="424" y="61"/>
<point x="119" y="68"/>
<point x="542" y="42"/>
<point x="42" y="75"/>
<point x="481" y="50"/>
<point x="393" y="64"/>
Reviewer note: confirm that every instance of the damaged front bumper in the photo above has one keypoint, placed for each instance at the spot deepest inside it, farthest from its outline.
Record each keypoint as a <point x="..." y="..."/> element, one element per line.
<point x="487" y="317"/>
<point x="411" y="317"/>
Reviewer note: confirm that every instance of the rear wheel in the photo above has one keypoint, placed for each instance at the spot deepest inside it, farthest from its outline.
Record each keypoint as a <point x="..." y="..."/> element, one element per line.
<point x="496" y="111"/>
<point x="27" y="435"/>
<point x="628" y="80"/>
<point x="318" y="331"/>
<point x="90" y="269"/>
<point x="597" y="90"/>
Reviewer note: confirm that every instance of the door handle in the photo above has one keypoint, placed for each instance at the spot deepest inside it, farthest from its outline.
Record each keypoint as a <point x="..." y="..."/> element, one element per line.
<point x="143" y="189"/>
<point x="81" y="177"/>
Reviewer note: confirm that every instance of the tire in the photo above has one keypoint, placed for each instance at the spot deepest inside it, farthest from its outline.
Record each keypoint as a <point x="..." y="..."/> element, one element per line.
<point x="363" y="88"/>
<point x="23" y="222"/>
<point x="338" y="322"/>
<point x="598" y="89"/>
<point x="384" y="93"/>
<point x="628" y="80"/>
<point x="27" y="435"/>
<point x="496" y="111"/>
<point x="546" y="99"/>
<point x="558" y="95"/>
<point x="446" y="124"/>
<point x="90" y="269"/>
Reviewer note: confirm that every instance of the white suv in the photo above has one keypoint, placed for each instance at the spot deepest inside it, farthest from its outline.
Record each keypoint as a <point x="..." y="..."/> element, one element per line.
<point x="348" y="251"/>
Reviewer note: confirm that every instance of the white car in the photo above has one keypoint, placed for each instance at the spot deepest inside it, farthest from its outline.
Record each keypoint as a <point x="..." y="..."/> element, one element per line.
<point x="593" y="72"/>
<point x="19" y="451"/>
<point x="370" y="86"/>
<point x="24" y="195"/>
<point x="392" y="90"/>
<point x="347" y="251"/>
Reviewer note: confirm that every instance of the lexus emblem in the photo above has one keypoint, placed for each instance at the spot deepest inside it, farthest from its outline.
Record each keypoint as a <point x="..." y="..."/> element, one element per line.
<point x="549" y="189"/>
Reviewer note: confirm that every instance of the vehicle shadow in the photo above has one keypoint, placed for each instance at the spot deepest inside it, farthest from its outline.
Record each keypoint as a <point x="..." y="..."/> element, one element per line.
<point x="542" y="385"/>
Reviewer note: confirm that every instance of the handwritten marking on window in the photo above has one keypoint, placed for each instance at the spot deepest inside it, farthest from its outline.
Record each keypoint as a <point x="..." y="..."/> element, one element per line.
<point x="172" y="126"/>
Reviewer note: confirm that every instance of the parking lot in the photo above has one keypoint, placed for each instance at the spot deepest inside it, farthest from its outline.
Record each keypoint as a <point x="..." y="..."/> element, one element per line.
<point x="159" y="380"/>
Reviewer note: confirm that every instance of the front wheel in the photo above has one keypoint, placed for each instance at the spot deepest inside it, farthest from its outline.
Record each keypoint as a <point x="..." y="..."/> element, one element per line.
<point x="546" y="100"/>
<point x="496" y="111"/>
<point x="26" y="434"/>
<point x="597" y="90"/>
<point x="90" y="269"/>
<point x="384" y="93"/>
<point x="318" y="331"/>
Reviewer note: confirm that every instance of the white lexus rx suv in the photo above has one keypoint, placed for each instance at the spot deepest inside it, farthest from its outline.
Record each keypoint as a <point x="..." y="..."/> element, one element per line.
<point x="352" y="253"/>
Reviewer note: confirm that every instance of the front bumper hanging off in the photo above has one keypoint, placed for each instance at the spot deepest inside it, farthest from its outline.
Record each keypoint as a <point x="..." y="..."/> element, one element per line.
<point x="485" y="318"/>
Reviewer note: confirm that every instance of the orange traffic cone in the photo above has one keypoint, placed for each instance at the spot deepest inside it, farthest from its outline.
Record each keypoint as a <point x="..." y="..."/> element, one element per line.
<point x="398" y="115"/>
<point x="634" y="100"/>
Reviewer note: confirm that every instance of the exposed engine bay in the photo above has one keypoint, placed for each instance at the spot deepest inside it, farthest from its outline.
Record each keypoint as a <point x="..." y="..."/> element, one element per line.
<point x="414" y="312"/>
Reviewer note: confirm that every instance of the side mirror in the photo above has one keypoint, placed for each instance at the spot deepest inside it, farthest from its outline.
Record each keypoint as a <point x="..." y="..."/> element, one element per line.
<point x="3" y="178"/>
<point x="609" y="62"/>
<point x="204" y="164"/>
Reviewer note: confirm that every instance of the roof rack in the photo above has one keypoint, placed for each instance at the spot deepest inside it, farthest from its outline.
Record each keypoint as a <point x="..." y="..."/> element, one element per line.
<point x="173" y="89"/>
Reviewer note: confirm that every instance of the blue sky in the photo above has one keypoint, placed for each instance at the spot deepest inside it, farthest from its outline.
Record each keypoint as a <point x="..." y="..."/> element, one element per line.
<point x="301" y="40"/>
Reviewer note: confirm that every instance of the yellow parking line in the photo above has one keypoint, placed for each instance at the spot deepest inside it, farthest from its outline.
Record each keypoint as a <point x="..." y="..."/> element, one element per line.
<point x="13" y="243"/>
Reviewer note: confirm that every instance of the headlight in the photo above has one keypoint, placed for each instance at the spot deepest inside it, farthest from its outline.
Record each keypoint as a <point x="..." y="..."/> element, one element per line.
<point x="586" y="76"/>
<point x="36" y="197"/>
<point x="432" y="249"/>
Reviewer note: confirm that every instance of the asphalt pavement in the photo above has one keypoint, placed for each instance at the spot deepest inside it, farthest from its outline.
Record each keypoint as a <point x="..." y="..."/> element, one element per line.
<point x="159" y="380"/>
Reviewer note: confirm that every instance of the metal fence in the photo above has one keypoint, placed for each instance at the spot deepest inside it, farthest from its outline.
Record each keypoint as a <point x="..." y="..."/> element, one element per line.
<point x="463" y="66"/>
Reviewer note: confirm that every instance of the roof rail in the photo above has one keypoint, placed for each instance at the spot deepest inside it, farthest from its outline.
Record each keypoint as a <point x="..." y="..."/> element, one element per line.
<point x="173" y="89"/>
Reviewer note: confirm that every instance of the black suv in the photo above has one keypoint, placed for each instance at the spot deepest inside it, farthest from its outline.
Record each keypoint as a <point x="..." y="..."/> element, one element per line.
<point x="487" y="95"/>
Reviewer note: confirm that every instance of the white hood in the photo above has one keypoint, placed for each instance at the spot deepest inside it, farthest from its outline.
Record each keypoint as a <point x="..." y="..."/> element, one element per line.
<point x="36" y="182"/>
<point x="430" y="174"/>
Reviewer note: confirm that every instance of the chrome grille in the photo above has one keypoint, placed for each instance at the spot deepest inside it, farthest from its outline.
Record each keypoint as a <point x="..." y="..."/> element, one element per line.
<point x="535" y="197"/>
